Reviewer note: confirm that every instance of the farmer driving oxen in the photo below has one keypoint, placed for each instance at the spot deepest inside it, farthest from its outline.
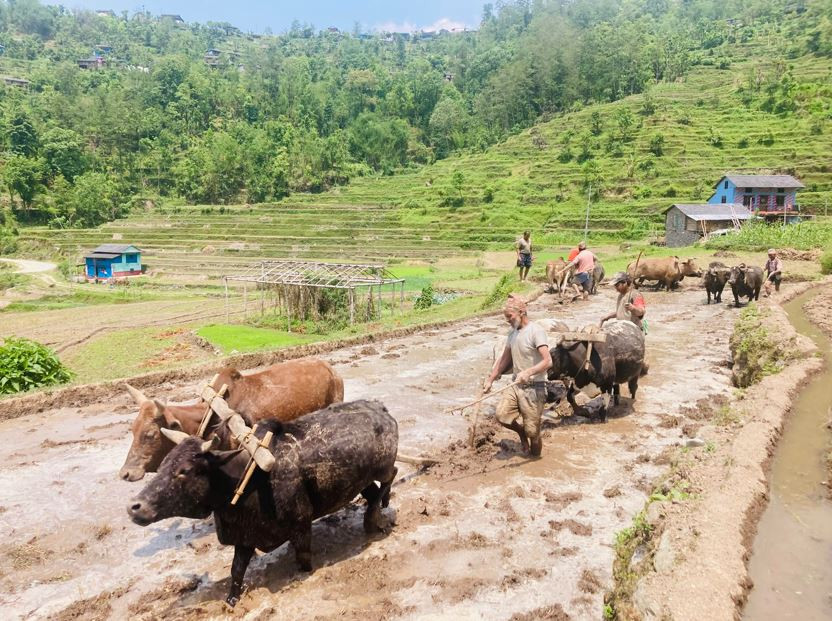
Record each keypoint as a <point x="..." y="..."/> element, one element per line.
<point x="630" y="305"/>
<point x="526" y="353"/>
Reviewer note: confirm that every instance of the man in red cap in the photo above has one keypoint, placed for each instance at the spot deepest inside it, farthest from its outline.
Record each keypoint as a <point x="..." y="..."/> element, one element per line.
<point x="526" y="354"/>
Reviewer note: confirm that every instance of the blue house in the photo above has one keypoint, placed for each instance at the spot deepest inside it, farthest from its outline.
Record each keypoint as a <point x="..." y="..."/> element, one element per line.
<point x="764" y="195"/>
<point x="113" y="261"/>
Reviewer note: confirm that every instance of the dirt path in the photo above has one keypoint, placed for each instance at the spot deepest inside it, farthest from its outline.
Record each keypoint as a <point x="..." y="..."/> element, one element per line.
<point x="27" y="266"/>
<point x="488" y="534"/>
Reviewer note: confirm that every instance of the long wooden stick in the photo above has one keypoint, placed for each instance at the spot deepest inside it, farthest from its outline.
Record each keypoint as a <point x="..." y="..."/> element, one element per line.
<point x="252" y="465"/>
<point x="473" y="434"/>
<point x="206" y="416"/>
<point x="488" y="396"/>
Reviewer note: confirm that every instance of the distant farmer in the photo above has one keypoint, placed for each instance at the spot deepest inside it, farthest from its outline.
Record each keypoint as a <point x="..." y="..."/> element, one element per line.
<point x="774" y="271"/>
<point x="526" y="354"/>
<point x="584" y="263"/>
<point x="524" y="254"/>
<point x="630" y="305"/>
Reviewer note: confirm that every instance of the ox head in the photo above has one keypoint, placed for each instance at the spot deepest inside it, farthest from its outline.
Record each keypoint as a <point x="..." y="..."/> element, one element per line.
<point x="149" y="445"/>
<point x="182" y="488"/>
<point x="688" y="267"/>
<point x="737" y="274"/>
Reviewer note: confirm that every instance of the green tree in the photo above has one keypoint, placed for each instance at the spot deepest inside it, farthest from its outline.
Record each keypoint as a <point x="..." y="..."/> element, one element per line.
<point x="23" y="178"/>
<point x="63" y="152"/>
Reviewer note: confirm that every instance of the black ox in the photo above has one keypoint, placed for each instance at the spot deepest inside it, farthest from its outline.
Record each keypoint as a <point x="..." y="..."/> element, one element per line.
<point x="715" y="280"/>
<point x="323" y="461"/>
<point x="617" y="361"/>
<point x="745" y="282"/>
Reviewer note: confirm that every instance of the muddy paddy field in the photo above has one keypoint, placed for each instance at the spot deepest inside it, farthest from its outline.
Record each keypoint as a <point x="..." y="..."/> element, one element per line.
<point x="487" y="533"/>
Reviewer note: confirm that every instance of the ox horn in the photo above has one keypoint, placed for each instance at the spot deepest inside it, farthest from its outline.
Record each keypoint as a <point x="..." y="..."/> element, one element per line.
<point x="174" y="436"/>
<point x="138" y="395"/>
<point x="208" y="445"/>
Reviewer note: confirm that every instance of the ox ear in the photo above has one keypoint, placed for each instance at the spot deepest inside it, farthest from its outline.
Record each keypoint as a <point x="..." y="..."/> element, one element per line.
<point x="138" y="395"/>
<point x="174" y="436"/>
<point x="170" y="420"/>
<point x="210" y="445"/>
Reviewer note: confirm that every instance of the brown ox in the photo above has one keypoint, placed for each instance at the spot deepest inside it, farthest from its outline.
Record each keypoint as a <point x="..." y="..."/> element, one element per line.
<point x="666" y="271"/>
<point x="283" y="391"/>
<point x="557" y="282"/>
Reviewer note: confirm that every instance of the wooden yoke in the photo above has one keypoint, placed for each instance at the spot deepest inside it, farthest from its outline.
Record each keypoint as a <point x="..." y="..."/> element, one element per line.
<point x="589" y="337"/>
<point x="241" y="432"/>
<point x="206" y="417"/>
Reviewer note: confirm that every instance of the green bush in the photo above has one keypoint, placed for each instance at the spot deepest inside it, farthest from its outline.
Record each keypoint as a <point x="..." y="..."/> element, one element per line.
<point x="826" y="262"/>
<point x="425" y="299"/>
<point x="500" y="291"/>
<point x="25" y="364"/>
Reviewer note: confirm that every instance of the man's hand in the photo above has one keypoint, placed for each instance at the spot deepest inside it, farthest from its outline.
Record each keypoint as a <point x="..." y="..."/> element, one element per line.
<point x="523" y="377"/>
<point x="629" y="307"/>
<point x="486" y="386"/>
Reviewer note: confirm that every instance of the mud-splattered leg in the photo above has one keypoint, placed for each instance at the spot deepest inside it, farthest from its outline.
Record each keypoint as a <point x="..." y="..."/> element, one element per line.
<point x="633" y="386"/>
<point x="242" y="556"/>
<point x="302" y="542"/>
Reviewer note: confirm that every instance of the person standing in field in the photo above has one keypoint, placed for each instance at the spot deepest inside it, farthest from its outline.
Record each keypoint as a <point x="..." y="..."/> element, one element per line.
<point x="526" y="353"/>
<point x="584" y="263"/>
<point x="774" y="272"/>
<point x="630" y="305"/>
<point x="524" y="254"/>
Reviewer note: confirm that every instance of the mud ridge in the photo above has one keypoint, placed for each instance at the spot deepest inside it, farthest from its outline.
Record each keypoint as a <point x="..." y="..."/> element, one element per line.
<point x="706" y="538"/>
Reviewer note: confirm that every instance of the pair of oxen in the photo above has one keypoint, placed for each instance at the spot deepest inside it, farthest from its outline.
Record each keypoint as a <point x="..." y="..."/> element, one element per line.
<point x="326" y="453"/>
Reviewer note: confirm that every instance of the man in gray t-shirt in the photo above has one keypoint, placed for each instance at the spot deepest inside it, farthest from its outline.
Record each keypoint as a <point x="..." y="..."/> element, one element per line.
<point x="527" y="354"/>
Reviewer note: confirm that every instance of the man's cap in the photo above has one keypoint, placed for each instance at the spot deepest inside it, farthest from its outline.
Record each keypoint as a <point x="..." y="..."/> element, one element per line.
<point x="620" y="277"/>
<point x="772" y="251"/>
<point x="515" y="303"/>
<point x="582" y="245"/>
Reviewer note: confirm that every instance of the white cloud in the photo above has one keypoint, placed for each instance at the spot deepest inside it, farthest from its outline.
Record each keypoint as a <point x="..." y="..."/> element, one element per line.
<point x="407" y="26"/>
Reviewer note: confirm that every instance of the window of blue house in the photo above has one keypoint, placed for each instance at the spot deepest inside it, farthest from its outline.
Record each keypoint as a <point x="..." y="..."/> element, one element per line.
<point x="780" y="190"/>
<point x="726" y="186"/>
<point x="724" y="200"/>
<point x="132" y="258"/>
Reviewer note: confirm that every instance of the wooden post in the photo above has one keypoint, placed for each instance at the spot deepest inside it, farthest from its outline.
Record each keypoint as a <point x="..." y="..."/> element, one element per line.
<point x="288" y="311"/>
<point x="352" y="306"/>
<point x="245" y="300"/>
<point x="226" y="298"/>
<point x="380" y="313"/>
<point x="392" y="300"/>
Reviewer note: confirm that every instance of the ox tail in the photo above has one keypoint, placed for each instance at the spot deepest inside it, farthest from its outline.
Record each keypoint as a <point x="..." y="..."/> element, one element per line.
<point x="644" y="369"/>
<point x="336" y="386"/>
<point x="422" y="462"/>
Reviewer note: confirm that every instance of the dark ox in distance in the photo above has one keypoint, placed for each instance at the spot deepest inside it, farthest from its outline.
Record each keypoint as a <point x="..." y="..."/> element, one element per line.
<point x="746" y="282"/>
<point x="282" y="391"/>
<point x="715" y="279"/>
<point x="322" y="462"/>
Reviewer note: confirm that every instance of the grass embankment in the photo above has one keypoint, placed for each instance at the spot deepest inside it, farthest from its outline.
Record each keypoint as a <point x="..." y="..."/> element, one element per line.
<point x="755" y="350"/>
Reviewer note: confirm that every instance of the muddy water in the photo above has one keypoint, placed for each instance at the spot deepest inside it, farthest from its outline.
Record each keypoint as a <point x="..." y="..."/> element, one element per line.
<point x="791" y="564"/>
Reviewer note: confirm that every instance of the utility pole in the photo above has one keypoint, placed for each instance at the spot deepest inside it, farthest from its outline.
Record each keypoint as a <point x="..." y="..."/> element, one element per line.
<point x="586" y="221"/>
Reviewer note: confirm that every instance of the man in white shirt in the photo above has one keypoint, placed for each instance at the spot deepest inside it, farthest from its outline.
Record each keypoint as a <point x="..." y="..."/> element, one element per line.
<point x="526" y="354"/>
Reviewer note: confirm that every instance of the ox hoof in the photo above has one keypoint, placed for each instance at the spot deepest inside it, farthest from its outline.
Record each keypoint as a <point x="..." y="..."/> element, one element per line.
<point x="230" y="602"/>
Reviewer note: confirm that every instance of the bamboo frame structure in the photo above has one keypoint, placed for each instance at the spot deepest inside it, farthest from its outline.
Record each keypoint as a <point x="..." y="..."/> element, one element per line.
<point x="288" y="273"/>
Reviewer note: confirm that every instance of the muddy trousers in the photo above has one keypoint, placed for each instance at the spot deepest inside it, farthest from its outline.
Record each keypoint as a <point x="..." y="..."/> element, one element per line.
<point x="521" y="410"/>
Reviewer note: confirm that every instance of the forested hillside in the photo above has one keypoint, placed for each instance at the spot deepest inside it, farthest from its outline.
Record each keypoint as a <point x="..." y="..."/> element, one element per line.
<point x="262" y="116"/>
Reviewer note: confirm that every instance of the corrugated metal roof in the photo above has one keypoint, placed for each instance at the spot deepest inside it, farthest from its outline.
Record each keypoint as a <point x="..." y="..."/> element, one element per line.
<point x="117" y="248"/>
<point x="763" y="181"/>
<point x="709" y="211"/>
<point x="102" y="255"/>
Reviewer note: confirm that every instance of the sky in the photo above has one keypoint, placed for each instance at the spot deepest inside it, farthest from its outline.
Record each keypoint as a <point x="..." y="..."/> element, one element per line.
<point x="258" y="15"/>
